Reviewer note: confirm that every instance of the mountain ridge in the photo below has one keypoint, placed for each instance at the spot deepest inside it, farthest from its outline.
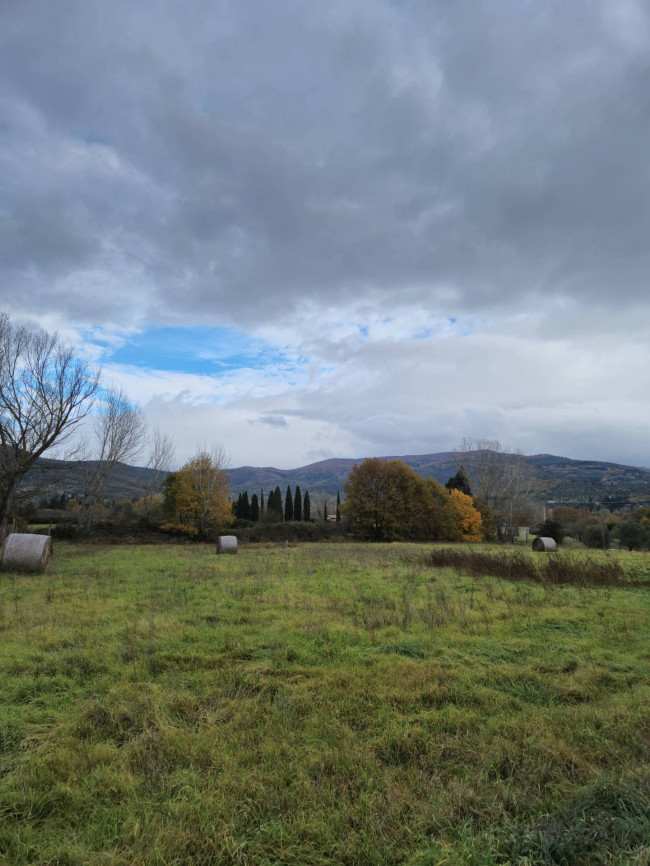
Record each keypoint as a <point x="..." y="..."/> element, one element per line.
<point x="561" y="479"/>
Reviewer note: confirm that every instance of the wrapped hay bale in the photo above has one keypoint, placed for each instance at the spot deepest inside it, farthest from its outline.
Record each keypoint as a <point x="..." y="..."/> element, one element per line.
<point x="26" y="552"/>
<point x="227" y="544"/>
<point x="542" y="543"/>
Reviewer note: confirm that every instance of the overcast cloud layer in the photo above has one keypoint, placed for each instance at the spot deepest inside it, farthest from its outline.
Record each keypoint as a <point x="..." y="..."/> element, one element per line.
<point x="410" y="221"/>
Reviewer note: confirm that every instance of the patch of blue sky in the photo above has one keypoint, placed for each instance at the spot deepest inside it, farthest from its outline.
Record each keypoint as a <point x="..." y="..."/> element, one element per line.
<point x="198" y="350"/>
<point x="364" y="330"/>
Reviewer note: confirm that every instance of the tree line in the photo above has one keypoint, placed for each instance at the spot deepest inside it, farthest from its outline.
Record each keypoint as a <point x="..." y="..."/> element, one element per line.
<point x="294" y="507"/>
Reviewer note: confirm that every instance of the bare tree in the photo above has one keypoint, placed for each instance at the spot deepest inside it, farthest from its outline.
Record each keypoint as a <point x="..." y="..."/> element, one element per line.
<point x="45" y="391"/>
<point x="120" y="431"/>
<point x="500" y="478"/>
<point x="160" y="457"/>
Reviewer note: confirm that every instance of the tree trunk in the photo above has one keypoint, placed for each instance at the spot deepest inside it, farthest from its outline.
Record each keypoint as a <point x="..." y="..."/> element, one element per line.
<point x="6" y="501"/>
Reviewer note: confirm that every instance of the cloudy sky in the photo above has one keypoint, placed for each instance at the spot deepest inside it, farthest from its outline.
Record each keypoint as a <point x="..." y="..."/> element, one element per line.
<point x="359" y="227"/>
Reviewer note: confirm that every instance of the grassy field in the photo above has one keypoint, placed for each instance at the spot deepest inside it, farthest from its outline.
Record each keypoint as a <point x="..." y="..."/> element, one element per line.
<point x="319" y="704"/>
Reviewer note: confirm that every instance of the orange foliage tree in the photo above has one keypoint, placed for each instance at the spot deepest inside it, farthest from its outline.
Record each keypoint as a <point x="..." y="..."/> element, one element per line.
<point x="468" y="517"/>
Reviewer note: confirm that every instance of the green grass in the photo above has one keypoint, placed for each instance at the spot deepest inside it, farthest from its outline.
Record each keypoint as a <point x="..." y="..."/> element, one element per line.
<point x="319" y="704"/>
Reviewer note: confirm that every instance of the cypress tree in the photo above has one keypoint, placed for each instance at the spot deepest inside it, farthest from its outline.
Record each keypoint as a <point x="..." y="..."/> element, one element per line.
<point x="338" y="506"/>
<point x="288" y="505"/>
<point x="278" y="502"/>
<point x="459" y="481"/>
<point x="245" y="506"/>
<point x="325" y="514"/>
<point x="261" y="502"/>
<point x="238" y="507"/>
<point x="306" y="508"/>
<point x="297" y="505"/>
<point x="255" y="508"/>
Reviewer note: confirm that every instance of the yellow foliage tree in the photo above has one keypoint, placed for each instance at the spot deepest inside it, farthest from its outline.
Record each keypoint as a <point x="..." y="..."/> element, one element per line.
<point x="196" y="499"/>
<point x="468" y="518"/>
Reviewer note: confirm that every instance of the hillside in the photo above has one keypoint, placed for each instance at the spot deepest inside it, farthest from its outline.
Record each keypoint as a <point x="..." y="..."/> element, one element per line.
<point x="561" y="479"/>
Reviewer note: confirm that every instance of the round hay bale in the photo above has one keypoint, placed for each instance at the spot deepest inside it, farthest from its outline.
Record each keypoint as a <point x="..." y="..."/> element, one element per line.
<point x="543" y="543"/>
<point x="227" y="544"/>
<point x="26" y="552"/>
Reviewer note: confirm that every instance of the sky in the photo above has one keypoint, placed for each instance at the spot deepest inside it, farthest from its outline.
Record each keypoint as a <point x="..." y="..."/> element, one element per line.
<point x="354" y="228"/>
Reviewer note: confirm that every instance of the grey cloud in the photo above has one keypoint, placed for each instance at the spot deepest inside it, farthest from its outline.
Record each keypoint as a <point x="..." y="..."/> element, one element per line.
<point x="284" y="165"/>
<point x="272" y="153"/>
<point x="271" y="420"/>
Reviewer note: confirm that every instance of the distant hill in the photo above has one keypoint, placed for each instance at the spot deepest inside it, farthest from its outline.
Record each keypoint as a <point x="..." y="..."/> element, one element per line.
<point x="561" y="479"/>
<point x="54" y="476"/>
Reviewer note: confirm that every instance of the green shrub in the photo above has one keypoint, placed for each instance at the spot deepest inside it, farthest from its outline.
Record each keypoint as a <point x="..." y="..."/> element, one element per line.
<point x="632" y="535"/>
<point x="596" y="536"/>
<point x="291" y="531"/>
<point x="552" y="529"/>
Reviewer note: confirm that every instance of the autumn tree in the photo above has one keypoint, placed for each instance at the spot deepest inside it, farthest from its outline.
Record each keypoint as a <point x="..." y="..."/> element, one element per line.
<point x="384" y="500"/>
<point x="567" y="514"/>
<point x="45" y="392"/>
<point x="196" y="498"/>
<point x="440" y="517"/>
<point x="468" y="517"/>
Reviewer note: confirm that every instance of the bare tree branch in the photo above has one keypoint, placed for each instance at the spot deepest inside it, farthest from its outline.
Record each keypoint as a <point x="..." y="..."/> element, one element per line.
<point x="45" y="391"/>
<point x="500" y="478"/>
<point x="120" y="431"/>
<point x="160" y="459"/>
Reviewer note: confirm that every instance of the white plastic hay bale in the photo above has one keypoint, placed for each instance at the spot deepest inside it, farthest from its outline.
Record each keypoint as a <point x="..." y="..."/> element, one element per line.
<point x="227" y="544"/>
<point x="542" y="543"/>
<point x="26" y="552"/>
